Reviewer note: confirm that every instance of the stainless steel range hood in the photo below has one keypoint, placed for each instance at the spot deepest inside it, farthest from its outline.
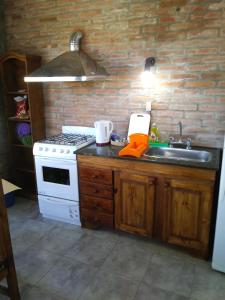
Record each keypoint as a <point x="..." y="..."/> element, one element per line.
<point x="74" y="65"/>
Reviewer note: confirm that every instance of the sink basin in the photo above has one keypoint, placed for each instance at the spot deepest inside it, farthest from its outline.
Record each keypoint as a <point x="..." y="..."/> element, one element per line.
<point x="179" y="154"/>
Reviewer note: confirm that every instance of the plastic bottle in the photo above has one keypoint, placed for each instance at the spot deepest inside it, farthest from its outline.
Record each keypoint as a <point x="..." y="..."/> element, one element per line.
<point x="154" y="135"/>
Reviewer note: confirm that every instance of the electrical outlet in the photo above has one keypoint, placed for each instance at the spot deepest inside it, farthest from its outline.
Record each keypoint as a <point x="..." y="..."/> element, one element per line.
<point x="148" y="106"/>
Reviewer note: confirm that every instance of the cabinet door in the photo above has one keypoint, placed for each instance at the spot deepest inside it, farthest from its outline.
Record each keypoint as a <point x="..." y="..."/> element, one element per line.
<point x="134" y="200"/>
<point x="189" y="213"/>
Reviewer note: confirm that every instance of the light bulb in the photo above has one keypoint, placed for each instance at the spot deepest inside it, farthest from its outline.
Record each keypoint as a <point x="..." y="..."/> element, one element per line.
<point x="147" y="78"/>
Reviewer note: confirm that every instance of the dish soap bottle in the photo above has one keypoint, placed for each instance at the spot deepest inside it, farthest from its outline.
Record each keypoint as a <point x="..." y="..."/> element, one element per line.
<point x="154" y="135"/>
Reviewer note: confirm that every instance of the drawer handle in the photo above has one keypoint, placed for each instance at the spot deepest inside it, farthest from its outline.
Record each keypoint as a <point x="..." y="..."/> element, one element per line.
<point x="97" y="206"/>
<point x="166" y="184"/>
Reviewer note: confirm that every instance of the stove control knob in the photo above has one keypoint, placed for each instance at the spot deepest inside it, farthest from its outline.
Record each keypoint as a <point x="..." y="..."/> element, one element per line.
<point x="46" y="149"/>
<point x="40" y="148"/>
<point x="54" y="150"/>
<point x="62" y="151"/>
<point x="68" y="151"/>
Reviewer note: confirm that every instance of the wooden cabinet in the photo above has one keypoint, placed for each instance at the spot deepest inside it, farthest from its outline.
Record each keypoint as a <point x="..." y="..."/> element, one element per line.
<point x="96" y="197"/>
<point x="25" y="130"/>
<point x="189" y="213"/>
<point x="166" y="202"/>
<point x="134" y="202"/>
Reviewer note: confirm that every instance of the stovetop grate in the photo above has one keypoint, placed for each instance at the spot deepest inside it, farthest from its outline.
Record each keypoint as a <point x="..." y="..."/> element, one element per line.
<point x="68" y="139"/>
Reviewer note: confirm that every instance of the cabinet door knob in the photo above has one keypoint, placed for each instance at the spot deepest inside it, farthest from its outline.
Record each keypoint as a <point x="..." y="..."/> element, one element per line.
<point x="152" y="181"/>
<point x="166" y="184"/>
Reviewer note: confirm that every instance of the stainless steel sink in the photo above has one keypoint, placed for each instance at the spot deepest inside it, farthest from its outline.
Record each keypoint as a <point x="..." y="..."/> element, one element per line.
<point x="179" y="154"/>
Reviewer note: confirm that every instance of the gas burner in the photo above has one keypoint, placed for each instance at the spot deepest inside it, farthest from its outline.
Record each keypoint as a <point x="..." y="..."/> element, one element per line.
<point x="68" y="139"/>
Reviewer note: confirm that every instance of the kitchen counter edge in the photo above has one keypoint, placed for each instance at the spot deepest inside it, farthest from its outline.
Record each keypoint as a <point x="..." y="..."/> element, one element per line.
<point x="112" y="152"/>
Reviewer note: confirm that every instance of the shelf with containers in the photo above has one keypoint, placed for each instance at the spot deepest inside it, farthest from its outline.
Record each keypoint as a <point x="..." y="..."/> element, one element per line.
<point x="24" y="111"/>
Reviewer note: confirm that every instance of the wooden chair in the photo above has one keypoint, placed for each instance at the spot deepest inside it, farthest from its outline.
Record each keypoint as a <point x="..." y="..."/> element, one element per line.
<point x="7" y="266"/>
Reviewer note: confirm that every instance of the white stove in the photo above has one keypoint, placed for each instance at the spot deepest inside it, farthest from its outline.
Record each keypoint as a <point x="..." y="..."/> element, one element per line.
<point x="56" y="173"/>
<point x="65" y="144"/>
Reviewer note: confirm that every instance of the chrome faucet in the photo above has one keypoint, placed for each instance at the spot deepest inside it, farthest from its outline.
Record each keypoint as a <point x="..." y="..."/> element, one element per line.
<point x="188" y="144"/>
<point x="180" y="141"/>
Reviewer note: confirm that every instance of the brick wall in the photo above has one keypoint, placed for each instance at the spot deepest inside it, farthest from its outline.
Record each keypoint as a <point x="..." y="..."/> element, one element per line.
<point x="3" y="145"/>
<point x="187" y="37"/>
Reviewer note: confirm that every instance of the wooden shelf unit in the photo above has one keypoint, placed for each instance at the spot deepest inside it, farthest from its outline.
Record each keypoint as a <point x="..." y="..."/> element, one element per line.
<point x="14" y="67"/>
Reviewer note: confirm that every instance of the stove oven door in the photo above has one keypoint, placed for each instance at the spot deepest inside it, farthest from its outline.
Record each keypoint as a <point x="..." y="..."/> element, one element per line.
<point x="57" y="178"/>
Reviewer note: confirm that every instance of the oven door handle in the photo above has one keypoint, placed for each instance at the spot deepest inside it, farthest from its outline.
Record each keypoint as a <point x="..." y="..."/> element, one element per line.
<point x="55" y="160"/>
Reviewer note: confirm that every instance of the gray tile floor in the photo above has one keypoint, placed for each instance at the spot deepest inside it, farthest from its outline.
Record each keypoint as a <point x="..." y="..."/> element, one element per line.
<point x="63" y="262"/>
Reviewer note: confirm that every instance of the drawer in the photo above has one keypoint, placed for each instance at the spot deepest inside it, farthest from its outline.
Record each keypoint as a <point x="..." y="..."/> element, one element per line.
<point x="95" y="219"/>
<point x="97" y="204"/>
<point x="96" y="175"/>
<point x="96" y="190"/>
<point x="59" y="209"/>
